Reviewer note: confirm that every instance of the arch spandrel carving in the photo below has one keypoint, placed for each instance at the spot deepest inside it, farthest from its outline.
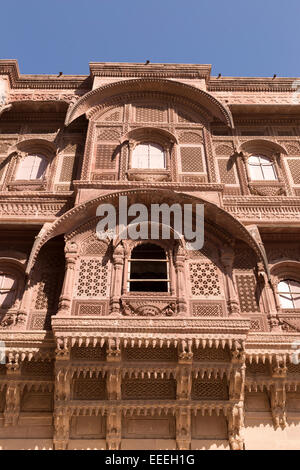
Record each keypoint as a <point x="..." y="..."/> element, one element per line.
<point x="194" y="95"/>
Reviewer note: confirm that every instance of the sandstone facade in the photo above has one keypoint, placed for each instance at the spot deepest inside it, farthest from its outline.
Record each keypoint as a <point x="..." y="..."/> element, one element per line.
<point x="207" y="357"/>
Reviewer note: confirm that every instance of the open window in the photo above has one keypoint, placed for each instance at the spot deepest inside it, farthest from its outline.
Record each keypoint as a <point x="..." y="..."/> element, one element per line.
<point x="148" y="155"/>
<point x="148" y="269"/>
<point x="289" y="293"/>
<point x="261" y="168"/>
<point x="32" y="167"/>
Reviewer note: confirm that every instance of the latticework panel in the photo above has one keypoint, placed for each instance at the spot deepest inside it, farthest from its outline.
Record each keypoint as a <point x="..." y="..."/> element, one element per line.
<point x="40" y="321"/>
<point x="105" y="157"/>
<point x="148" y="389"/>
<point x="293" y="368"/>
<point x="32" y="368"/>
<point x="257" y="369"/>
<point x="150" y="354"/>
<point x="190" y="138"/>
<point x="224" y="149"/>
<point x="226" y="171"/>
<point x="46" y="296"/>
<point x="109" y="134"/>
<point x="246" y="285"/>
<point x="212" y="354"/>
<point x="89" y="353"/>
<point x="184" y="117"/>
<point x="209" y="389"/>
<point x="93" y="278"/>
<point x="204" y="280"/>
<point x="150" y="113"/>
<point x="207" y="310"/>
<point x="294" y="166"/>
<point x="89" y="389"/>
<point x="191" y="159"/>
<point x="66" y="172"/>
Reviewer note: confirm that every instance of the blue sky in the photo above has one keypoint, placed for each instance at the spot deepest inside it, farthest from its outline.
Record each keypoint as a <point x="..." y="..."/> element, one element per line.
<point x="238" y="37"/>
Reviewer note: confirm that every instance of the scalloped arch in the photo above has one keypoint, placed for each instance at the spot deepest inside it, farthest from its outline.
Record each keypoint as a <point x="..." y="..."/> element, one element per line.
<point x="83" y="212"/>
<point x="195" y="95"/>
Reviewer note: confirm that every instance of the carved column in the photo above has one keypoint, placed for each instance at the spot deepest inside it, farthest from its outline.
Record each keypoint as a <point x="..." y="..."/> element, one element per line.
<point x="272" y="303"/>
<point x="237" y="397"/>
<point x="118" y="267"/>
<point x="24" y="309"/>
<point x="62" y="396"/>
<point x="278" y="394"/>
<point x="241" y="163"/>
<point x="180" y="274"/>
<point x="183" y="428"/>
<point x="68" y="285"/>
<point x="227" y="258"/>
<point x="13" y="393"/>
<point x="113" y="429"/>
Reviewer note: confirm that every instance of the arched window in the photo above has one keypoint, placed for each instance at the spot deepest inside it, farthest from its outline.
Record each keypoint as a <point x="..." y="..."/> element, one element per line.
<point x="261" y="168"/>
<point x="289" y="293"/>
<point x="32" y="167"/>
<point x="148" y="155"/>
<point x="148" y="269"/>
<point x="8" y="290"/>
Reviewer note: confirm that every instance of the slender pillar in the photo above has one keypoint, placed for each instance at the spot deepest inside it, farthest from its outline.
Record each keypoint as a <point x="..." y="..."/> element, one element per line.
<point x="116" y="290"/>
<point x="67" y="289"/>
<point x="227" y="258"/>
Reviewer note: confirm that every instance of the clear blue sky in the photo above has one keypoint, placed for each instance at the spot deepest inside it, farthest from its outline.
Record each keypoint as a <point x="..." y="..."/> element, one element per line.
<point x="238" y="37"/>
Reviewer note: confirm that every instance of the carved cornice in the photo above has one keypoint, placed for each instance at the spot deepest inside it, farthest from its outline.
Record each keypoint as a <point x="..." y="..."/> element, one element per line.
<point x="11" y="68"/>
<point x="119" y="70"/>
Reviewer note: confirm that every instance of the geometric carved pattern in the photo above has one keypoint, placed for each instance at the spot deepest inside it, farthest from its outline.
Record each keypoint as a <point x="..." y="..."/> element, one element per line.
<point x="89" y="389"/>
<point x="209" y="389"/>
<point x="224" y="150"/>
<point x="38" y="368"/>
<point x="257" y="369"/>
<point x="204" y="279"/>
<point x="294" y="166"/>
<point x="150" y="114"/>
<point x="89" y="353"/>
<point x="190" y="138"/>
<point x="148" y="389"/>
<point x="92" y="279"/>
<point x="211" y="354"/>
<point x="46" y="296"/>
<point x="105" y="157"/>
<point x="98" y="309"/>
<point x="207" y="310"/>
<point x="246" y="285"/>
<point x="227" y="175"/>
<point x="149" y="354"/>
<point x="67" y="168"/>
<point x="293" y="368"/>
<point x="40" y="322"/>
<point x="109" y="134"/>
<point x="112" y="116"/>
<point x="191" y="159"/>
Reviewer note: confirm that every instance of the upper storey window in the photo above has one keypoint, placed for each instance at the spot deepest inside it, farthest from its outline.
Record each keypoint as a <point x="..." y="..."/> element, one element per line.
<point x="261" y="168"/>
<point x="8" y="290"/>
<point x="32" y="167"/>
<point x="289" y="293"/>
<point x="148" y="269"/>
<point x="148" y="155"/>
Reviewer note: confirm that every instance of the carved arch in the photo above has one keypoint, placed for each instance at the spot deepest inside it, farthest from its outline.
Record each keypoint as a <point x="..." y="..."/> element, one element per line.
<point x="85" y="211"/>
<point x="104" y="93"/>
